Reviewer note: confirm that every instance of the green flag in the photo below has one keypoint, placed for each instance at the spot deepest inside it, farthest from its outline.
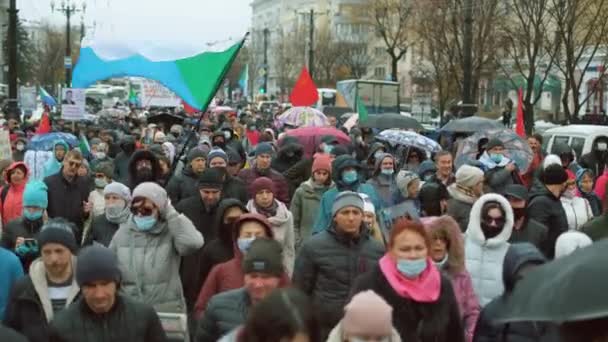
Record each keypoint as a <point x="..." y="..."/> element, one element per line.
<point x="362" y="110"/>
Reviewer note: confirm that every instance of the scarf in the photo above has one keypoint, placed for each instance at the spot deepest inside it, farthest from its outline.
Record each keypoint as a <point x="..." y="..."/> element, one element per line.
<point x="426" y="288"/>
<point x="120" y="218"/>
<point x="268" y="212"/>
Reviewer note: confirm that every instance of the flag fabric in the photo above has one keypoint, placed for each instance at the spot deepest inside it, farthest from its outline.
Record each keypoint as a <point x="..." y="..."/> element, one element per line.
<point x="305" y="91"/>
<point x="244" y="80"/>
<point x="191" y="72"/>
<point x="188" y="108"/>
<point x="361" y="110"/>
<point x="46" y="98"/>
<point x="133" y="98"/>
<point x="45" y="124"/>
<point x="84" y="146"/>
<point x="520" y="128"/>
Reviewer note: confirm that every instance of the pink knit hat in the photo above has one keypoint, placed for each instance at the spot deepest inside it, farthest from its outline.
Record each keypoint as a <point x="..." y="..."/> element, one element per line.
<point x="368" y="314"/>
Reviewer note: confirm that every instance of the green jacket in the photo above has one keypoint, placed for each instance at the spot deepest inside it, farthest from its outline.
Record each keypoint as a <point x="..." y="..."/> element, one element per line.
<point x="597" y="228"/>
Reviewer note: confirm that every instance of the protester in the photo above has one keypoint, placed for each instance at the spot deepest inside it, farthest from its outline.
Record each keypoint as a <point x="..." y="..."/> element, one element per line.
<point x="321" y="261"/>
<point x="433" y="199"/>
<point x="346" y="175"/>
<point x="68" y="193"/>
<point x="19" y="150"/>
<point x="525" y="229"/>
<point x="423" y="301"/>
<point x="262" y="168"/>
<point x="279" y="217"/>
<point x="486" y="243"/>
<point x="121" y="162"/>
<point x="545" y="207"/>
<point x="102" y="311"/>
<point x="4" y="164"/>
<point x="570" y="241"/>
<point x="11" y="195"/>
<point x="50" y="286"/>
<point x="408" y="184"/>
<point x="375" y="150"/>
<point x="447" y="252"/>
<point x="103" y="177"/>
<point x="577" y="209"/>
<point x="500" y="170"/>
<point x="520" y="259"/>
<point x="232" y="187"/>
<point x="567" y="158"/>
<point x="54" y="164"/>
<point x="535" y="143"/>
<point x="143" y="167"/>
<point x="307" y="199"/>
<point x="597" y="159"/>
<point x="184" y="185"/>
<point x="371" y="220"/>
<point x="11" y="270"/>
<point x="584" y="185"/>
<point x="101" y="156"/>
<point x="383" y="179"/>
<point x="149" y="247"/>
<point x="262" y="269"/>
<point x="117" y="200"/>
<point x="445" y="169"/>
<point x="463" y="193"/>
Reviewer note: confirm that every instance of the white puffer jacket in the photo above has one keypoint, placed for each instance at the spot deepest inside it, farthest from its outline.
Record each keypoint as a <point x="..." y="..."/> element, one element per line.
<point x="578" y="211"/>
<point x="484" y="257"/>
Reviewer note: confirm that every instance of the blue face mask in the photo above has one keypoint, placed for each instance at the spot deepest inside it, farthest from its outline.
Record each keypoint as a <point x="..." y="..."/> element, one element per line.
<point x="387" y="172"/>
<point x="411" y="268"/>
<point x="349" y="177"/>
<point x="144" y="223"/>
<point x="244" y="244"/>
<point x="32" y="216"/>
<point x="328" y="148"/>
<point x="496" y="157"/>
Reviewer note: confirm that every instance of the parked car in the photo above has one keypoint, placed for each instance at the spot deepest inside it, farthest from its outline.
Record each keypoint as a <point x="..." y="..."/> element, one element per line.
<point x="579" y="137"/>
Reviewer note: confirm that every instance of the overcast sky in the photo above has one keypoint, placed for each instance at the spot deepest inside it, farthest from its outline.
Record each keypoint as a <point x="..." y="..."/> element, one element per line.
<point x="200" y="20"/>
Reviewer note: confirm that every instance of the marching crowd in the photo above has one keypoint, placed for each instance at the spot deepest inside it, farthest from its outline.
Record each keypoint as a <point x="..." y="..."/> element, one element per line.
<point x="248" y="239"/>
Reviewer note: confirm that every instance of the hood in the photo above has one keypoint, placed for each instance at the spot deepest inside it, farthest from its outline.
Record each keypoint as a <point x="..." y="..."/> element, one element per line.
<point x="248" y="217"/>
<point x="14" y="166"/>
<point x="62" y="143"/>
<point x="340" y="164"/>
<point x="379" y="160"/>
<point x="426" y="167"/>
<point x="450" y="227"/>
<point x="373" y="149"/>
<point x="579" y="178"/>
<point x="295" y="150"/>
<point x="140" y="155"/>
<point x="517" y="256"/>
<point x="474" y="231"/>
<point x="225" y="236"/>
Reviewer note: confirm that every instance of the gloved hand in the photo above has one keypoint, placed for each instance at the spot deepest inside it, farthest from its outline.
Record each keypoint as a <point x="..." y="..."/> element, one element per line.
<point x="168" y="212"/>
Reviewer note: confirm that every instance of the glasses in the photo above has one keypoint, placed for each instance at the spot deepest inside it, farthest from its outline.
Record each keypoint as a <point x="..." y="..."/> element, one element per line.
<point x="142" y="210"/>
<point x="496" y="220"/>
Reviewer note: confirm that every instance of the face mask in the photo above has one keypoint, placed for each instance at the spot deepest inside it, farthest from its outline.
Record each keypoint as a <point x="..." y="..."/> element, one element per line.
<point x="349" y="177"/>
<point x="100" y="183"/>
<point x="20" y="147"/>
<point x="602" y="146"/>
<point x="490" y="231"/>
<point x="519" y="213"/>
<point x="244" y="244"/>
<point x="100" y="155"/>
<point x="569" y="193"/>
<point x="387" y="172"/>
<point x="117" y="212"/>
<point x="411" y="268"/>
<point x="32" y="216"/>
<point x="378" y="154"/>
<point x="496" y="157"/>
<point x="327" y="149"/>
<point x="226" y="134"/>
<point x="144" y="223"/>
<point x="442" y="262"/>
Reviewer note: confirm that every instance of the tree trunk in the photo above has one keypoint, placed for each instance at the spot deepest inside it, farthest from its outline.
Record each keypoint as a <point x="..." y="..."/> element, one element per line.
<point x="529" y="117"/>
<point x="394" y="66"/>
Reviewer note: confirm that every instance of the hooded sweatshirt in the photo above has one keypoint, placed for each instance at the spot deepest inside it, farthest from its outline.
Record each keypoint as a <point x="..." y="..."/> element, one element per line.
<point x="484" y="257"/>
<point x="53" y="165"/>
<point x="12" y="204"/>
<point x="385" y="185"/>
<point x="134" y="176"/>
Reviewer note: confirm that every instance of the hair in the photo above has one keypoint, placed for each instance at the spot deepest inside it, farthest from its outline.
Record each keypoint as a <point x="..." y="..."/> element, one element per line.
<point x="430" y="197"/>
<point x="441" y="234"/>
<point x="537" y="137"/>
<point x="493" y="205"/>
<point x="74" y="154"/>
<point x="405" y="224"/>
<point x="283" y="314"/>
<point x="440" y="154"/>
<point x="266" y="137"/>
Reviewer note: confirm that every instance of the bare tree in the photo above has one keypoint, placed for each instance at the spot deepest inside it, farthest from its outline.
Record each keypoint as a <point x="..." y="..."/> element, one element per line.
<point x="356" y="58"/>
<point x="50" y="58"/>
<point x="328" y="52"/>
<point x="581" y="28"/>
<point x="288" y="53"/>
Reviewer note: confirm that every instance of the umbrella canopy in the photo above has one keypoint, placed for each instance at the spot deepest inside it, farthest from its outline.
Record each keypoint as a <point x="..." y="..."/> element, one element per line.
<point x="396" y="138"/>
<point x="303" y="117"/>
<point x="221" y="109"/>
<point x="46" y="142"/>
<point x="516" y="148"/>
<point x="471" y="124"/>
<point x="387" y="121"/>
<point x="310" y="137"/>
<point x="571" y="288"/>
<point x="167" y="119"/>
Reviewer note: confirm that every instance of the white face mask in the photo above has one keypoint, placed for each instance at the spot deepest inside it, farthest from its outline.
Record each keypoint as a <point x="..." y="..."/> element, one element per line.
<point x="602" y="146"/>
<point x="20" y="147"/>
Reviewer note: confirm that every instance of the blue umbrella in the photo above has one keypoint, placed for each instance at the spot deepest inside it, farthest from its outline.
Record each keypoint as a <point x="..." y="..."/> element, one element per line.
<point x="46" y="142"/>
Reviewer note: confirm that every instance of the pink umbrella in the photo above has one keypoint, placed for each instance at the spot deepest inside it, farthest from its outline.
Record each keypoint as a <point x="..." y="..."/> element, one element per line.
<point x="303" y="117"/>
<point x="310" y="137"/>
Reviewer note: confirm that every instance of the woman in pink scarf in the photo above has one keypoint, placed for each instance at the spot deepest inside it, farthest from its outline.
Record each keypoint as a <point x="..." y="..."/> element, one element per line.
<point x="424" y="306"/>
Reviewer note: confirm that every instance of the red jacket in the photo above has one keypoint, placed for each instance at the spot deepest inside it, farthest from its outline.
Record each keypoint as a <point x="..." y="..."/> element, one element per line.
<point x="12" y="204"/>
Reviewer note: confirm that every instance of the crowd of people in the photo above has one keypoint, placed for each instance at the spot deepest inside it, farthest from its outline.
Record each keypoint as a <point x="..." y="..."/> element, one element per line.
<point x="244" y="238"/>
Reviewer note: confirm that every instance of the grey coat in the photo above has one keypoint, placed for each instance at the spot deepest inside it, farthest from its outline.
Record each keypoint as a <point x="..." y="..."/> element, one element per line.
<point x="459" y="206"/>
<point x="150" y="260"/>
<point x="304" y="207"/>
<point x="225" y="312"/>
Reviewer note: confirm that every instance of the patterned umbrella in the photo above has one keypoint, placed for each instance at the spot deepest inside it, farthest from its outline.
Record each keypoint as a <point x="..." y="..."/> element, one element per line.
<point x="471" y="124"/>
<point x="46" y="142"/>
<point x="397" y="137"/>
<point x="303" y="117"/>
<point x="516" y="148"/>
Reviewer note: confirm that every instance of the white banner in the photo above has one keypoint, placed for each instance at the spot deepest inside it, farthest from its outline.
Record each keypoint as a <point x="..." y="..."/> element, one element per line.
<point x="154" y="94"/>
<point x="27" y="99"/>
<point x="73" y="104"/>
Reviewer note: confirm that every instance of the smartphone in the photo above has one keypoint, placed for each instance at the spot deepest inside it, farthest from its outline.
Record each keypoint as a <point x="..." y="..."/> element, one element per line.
<point x="30" y="243"/>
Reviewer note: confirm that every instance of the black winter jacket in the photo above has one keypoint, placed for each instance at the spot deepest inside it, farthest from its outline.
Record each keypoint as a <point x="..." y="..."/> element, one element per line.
<point x="183" y="186"/>
<point x="121" y="161"/>
<point x="66" y="199"/>
<point x="126" y="321"/>
<point x="25" y="228"/>
<point x="547" y="210"/>
<point x="225" y="312"/>
<point x="134" y="179"/>
<point x="234" y="187"/>
<point x="533" y="232"/>
<point x="8" y="334"/>
<point x="423" y="322"/>
<point x="102" y="231"/>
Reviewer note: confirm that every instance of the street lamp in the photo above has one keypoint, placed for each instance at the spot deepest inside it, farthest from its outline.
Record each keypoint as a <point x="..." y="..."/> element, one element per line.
<point x="68" y="8"/>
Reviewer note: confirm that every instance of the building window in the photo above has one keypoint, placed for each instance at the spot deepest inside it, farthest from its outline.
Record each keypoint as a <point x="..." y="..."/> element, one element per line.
<point x="379" y="51"/>
<point x="380" y="72"/>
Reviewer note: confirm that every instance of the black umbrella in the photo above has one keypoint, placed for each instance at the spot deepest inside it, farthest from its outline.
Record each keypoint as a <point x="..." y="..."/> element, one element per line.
<point x="571" y="288"/>
<point x="471" y="124"/>
<point x="167" y="119"/>
<point x="387" y="121"/>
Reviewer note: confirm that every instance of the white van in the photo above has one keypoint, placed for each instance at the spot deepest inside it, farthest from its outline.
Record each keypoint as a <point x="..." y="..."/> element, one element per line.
<point x="580" y="137"/>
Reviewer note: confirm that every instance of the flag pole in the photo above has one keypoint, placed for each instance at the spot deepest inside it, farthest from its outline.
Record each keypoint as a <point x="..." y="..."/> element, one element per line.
<point x="217" y="85"/>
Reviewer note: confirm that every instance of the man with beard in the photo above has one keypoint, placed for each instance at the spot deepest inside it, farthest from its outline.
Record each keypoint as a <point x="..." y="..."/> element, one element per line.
<point x="201" y="210"/>
<point x="143" y="167"/>
<point x="262" y="168"/>
<point x="233" y="187"/>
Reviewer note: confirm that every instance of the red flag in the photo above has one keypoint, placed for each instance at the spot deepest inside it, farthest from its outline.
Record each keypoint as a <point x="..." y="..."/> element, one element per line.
<point x="304" y="92"/>
<point x="519" y="120"/>
<point x="45" y="124"/>
<point x="188" y="109"/>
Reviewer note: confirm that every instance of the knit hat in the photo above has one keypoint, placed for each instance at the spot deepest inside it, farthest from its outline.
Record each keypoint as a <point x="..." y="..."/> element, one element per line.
<point x="262" y="183"/>
<point x="554" y="175"/>
<point x="263" y="148"/>
<point x="347" y="199"/>
<point x="570" y="241"/>
<point x="551" y="159"/>
<point x="368" y="314"/>
<point x="233" y="156"/>
<point x="368" y="205"/>
<point x="35" y="194"/>
<point x="95" y="263"/>
<point x="195" y="153"/>
<point x="321" y="162"/>
<point x="106" y="168"/>
<point x="58" y="230"/>
<point x="216" y="152"/>
<point x="264" y="256"/>
<point x="516" y="191"/>
<point x="403" y="180"/>
<point x="468" y="176"/>
<point x="153" y="192"/>
<point x="494" y="142"/>
<point x="211" y="179"/>
<point x="119" y="189"/>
